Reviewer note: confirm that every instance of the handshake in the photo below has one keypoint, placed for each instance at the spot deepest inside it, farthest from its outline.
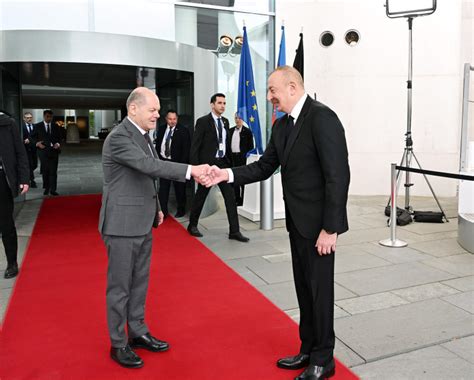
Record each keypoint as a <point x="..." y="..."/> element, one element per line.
<point x="209" y="175"/>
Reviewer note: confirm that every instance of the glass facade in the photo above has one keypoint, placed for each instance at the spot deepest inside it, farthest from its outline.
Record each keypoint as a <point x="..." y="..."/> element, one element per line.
<point x="204" y="27"/>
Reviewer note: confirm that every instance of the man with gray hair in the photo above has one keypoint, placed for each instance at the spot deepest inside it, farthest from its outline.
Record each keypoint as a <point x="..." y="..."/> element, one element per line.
<point x="309" y="145"/>
<point x="130" y="208"/>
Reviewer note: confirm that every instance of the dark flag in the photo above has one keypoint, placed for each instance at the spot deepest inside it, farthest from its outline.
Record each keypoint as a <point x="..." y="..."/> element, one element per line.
<point x="298" y="63"/>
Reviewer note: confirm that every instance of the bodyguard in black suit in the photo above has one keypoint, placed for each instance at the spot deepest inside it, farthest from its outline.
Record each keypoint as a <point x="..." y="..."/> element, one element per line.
<point x="47" y="139"/>
<point x="28" y="132"/>
<point x="211" y="145"/>
<point x="172" y="144"/>
<point x="310" y="146"/>
<point x="241" y="142"/>
<point x="14" y="176"/>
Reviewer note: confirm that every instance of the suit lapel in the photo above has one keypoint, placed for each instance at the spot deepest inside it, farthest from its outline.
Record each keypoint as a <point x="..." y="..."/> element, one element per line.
<point x="296" y="130"/>
<point x="137" y="136"/>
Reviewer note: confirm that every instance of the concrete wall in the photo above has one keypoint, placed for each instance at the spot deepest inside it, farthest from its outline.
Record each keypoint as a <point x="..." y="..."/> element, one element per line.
<point x="366" y="84"/>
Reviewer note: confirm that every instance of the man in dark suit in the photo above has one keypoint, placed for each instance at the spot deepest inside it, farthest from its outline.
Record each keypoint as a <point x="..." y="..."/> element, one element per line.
<point x="129" y="211"/>
<point x="28" y="132"/>
<point x="14" y="177"/>
<point x="211" y="145"/>
<point x="310" y="146"/>
<point x="47" y="139"/>
<point x="172" y="144"/>
<point x="241" y="142"/>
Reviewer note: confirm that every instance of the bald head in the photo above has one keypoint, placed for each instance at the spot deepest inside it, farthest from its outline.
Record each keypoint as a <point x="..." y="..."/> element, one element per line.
<point x="285" y="88"/>
<point x="143" y="108"/>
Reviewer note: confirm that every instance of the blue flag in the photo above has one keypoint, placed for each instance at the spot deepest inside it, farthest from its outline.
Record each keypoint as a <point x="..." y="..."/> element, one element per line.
<point x="247" y="100"/>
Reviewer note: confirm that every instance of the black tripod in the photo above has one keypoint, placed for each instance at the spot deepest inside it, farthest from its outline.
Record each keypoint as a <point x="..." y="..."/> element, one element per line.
<point x="408" y="153"/>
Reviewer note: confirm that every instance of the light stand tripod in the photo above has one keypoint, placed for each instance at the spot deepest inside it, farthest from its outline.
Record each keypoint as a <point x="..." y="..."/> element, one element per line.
<point x="408" y="153"/>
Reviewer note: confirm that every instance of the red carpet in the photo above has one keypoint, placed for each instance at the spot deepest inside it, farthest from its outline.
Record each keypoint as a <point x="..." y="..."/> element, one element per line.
<point x="219" y="326"/>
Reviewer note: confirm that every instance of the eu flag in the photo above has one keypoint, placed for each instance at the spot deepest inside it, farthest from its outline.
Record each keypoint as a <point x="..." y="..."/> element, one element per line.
<point x="247" y="99"/>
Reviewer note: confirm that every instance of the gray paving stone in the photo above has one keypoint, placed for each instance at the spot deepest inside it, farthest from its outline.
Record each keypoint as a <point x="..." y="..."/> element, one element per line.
<point x="394" y="255"/>
<point x="340" y="313"/>
<point x="431" y="228"/>
<point x="376" y="280"/>
<point x="424" y="364"/>
<point x="294" y="314"/>
<point x="345" y="355"/>
<point x="274" y="273"/>
<point x="341" y="293"/>
<point x="439" y="248"/>
<point x="282" y="294"/>
<point x="231" y="249"/>
<point x="463" y="284"/>
<point x="459" y="265"/>
<point x="423" y="292"/>
<point x="252" y="278"/>
<point x="278" y="257"/>
<point x="281" y="245"/>
<point x="370" y="303"/>
<point x="357" y="261"/>
<point x="393" y="331"/>
<point x="464" y="301"/>
<point x="463" y="347"/>
<point x="244" y="264"/>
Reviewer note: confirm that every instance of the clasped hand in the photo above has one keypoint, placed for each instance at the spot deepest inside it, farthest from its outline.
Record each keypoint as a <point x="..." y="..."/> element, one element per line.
<point x="209" y="175"/>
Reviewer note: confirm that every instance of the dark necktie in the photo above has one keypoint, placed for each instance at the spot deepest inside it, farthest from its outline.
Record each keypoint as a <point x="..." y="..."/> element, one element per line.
<point x="47" y="128"/>
<point x="29" y="128"/>
<point x="168" y="142"/>
<point x="289" y="127"/>
<point x="219" y="130"/>
<point x="150" y="145"/>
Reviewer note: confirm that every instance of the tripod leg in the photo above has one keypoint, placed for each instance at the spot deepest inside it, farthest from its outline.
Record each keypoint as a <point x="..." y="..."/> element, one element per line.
<point x="431" y="188"/>
<point x="408" y="184"/>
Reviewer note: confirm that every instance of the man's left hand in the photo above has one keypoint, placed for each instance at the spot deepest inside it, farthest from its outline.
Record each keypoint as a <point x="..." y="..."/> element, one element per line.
<point x="161" y="217"/>
<point x="24" y="188"/>
<point x="326" y="243"/>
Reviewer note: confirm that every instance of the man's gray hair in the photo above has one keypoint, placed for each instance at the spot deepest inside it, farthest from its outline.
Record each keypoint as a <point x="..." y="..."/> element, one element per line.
<point x="137" y="96"/>
<point x="291" y="75"/>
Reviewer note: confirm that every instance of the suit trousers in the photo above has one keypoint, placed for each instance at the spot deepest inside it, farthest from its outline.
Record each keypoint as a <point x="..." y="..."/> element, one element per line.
<point x="314" y="282"/>
<point x="164" y="193"/>
<point x="127" y="285"/>
<point x="7" y="223"/>
<point x="227" y="191"/>
<point x="49" y="169"/>
<point x="32" y="160"/>
<point x="239" y="159"/>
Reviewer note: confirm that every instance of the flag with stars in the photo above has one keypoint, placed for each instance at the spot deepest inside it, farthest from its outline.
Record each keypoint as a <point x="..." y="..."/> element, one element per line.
<point x="247" y="100"/>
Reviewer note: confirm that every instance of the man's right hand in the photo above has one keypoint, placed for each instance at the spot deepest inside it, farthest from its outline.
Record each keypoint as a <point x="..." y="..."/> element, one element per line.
<point x="26" y="141"/>
<point x="40" y="145"/>
<point x="200" y="174"/>
<point x="218" y="175"/>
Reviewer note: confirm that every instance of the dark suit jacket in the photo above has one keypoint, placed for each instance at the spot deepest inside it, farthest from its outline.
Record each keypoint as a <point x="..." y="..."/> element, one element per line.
<point x="27" y="135"/>
<point x="13" y="155"/>
<point x="180" y="143"/>
<point x="314" y="169"/>
<point x="205" y="143"/>
<point x="246" y="139"/>
<point x="48" y="139"/>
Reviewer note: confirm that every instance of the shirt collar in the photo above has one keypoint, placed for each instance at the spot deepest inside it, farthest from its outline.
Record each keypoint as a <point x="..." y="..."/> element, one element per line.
<point x="142" y="131"/>
<point x="215" y="117"/>
<point x="295" y="112"/>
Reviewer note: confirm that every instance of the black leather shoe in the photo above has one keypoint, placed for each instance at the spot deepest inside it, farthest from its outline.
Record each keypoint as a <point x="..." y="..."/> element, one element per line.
<point x="179" y="214"/>
<point x="314" y="372"/>
<point x="294" y="362"/>
<point x="46" y="192"/>
<point x="193" y="231"/>
<point x="55" y="193"/>
<point x="126" y="357"/>
<point x="149" y="343"/>
<point x="239" y="237"/>
<point x="11" y="271"/>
